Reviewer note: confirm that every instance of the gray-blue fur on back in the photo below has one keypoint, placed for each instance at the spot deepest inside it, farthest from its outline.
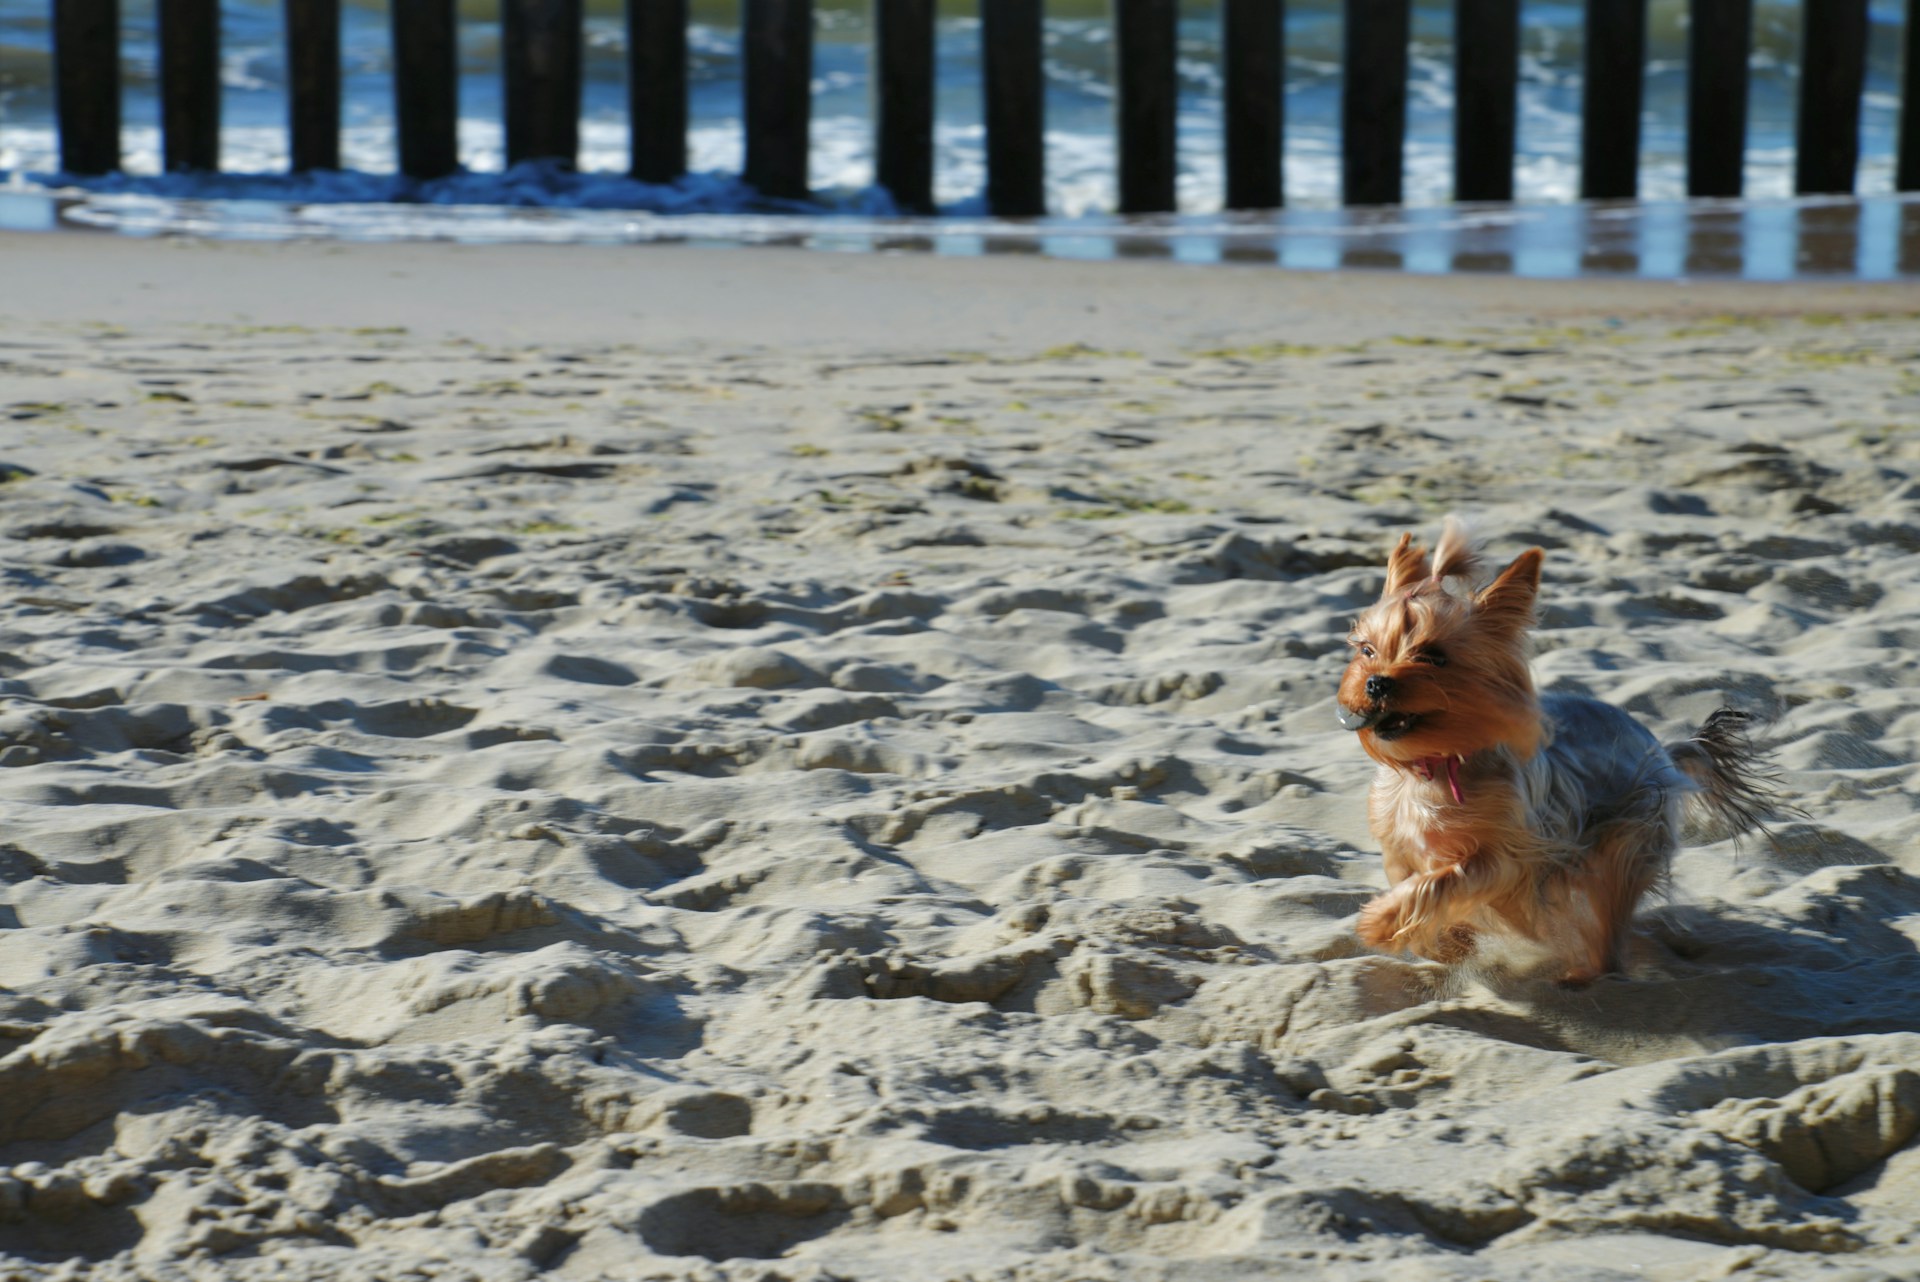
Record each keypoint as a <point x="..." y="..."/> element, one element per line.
<point x="1598" y="766"/>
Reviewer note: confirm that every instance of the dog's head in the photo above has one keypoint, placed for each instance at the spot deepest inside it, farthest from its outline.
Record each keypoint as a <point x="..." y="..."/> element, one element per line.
<point x="1439" y="666"/>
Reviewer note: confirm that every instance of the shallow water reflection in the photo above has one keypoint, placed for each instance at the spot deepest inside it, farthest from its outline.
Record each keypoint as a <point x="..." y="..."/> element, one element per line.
<point x="1865" y="238"/>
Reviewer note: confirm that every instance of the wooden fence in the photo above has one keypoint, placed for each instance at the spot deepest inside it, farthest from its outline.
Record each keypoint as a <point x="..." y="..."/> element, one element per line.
<point x="541" y="44"/>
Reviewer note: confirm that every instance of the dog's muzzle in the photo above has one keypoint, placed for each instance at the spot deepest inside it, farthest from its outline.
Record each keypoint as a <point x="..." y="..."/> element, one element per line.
<point x="1385" y="723"/>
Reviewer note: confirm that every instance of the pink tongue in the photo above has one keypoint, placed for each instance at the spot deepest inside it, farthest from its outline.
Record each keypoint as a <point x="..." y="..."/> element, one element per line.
<point x="1426" y="767"/>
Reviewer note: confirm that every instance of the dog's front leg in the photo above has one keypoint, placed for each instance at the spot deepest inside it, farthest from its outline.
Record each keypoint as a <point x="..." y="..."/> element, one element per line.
<point x="1425" y="911"/>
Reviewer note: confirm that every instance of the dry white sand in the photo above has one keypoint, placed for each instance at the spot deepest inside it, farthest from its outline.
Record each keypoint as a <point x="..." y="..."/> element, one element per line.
<point x="629" y="780"/>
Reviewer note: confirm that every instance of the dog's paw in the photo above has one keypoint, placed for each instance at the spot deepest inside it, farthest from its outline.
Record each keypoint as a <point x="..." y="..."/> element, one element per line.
<point x="1379" y="921"/>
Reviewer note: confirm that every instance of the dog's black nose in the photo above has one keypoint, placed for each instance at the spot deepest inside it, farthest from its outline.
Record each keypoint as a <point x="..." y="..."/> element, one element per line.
<point x="1379" y="688"/>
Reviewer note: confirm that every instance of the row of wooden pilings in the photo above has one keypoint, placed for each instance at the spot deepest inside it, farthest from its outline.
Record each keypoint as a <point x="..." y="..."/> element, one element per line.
<point x="541" y="44"/>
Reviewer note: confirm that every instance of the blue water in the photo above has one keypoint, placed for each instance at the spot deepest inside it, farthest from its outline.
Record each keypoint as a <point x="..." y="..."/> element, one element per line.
<point x="1079" y="106"/>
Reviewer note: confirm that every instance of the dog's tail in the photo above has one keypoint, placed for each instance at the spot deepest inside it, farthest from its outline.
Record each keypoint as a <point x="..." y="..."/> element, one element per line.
<point x="1737" y="788"/>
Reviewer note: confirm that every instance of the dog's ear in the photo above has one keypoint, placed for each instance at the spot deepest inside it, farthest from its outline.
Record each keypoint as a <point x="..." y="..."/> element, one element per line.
<point x="1405" y="568"/>
<point x="1507" y="602"/>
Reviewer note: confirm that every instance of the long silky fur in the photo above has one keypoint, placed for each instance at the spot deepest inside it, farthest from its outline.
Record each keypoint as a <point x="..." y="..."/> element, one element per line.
<point x="1737" y="788"/>
<point x="1509" y="814"/>
<point x="1456" y="556"/>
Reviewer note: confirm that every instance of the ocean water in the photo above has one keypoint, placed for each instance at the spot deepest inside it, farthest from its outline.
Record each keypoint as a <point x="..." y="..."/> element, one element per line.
<point x="1080" y="148"/>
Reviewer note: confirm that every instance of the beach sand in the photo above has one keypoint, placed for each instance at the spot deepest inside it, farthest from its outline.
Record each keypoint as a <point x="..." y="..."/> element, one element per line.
<point x="755" y="765"/>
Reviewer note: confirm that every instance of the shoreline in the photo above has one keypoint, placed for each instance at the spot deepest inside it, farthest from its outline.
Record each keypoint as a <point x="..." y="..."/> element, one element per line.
<point x="769" y="296"/>
<point x="1812" y="240"/>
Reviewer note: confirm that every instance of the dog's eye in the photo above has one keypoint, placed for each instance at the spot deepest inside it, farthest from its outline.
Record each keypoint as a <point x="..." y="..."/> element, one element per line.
<point x="1437" y="658"/>
<point x="1366" y="651"/>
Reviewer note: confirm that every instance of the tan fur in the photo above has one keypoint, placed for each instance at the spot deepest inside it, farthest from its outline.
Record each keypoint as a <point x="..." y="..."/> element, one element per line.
<point x="1406" y="566"/>
<point x="1483" y="697"/>
<point x="1455" y="663"/>
<point x="1454" y="556"/>
<point x="1450" y="864"/>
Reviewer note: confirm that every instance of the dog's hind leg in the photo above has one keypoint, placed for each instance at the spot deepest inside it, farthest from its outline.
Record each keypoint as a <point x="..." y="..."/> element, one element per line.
<point x="1602" y="895"/>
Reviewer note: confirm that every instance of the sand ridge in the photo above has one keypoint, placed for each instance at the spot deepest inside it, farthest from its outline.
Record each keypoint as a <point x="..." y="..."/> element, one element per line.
<point x="481" y="809"/>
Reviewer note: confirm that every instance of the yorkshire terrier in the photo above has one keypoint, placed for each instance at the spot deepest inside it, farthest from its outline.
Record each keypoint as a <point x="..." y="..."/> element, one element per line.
<point x="1502" y="812"/>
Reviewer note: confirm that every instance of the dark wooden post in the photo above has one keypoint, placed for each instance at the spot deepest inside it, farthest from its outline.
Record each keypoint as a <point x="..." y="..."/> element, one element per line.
<point x="86" y="84"/>
<point x="1253" y="53"/>
<point x="1373" y="107"/>
<point x="540" y="59"/>
<point x="1833" y="72"/>
<point x="1906" y="170"/>
<point x="1014" y="88"/>
<point x="778" y="71"/>
<point x="190" y="83"/>
<point x="426" y="87"/>
<point x="1487" y="70"/>
<point x="1719" y="44"/>
<point x="657" y="88"/>
<point x="1610" y="111"/>
<point x="313" y="84"/>
<point x="1146" y="39"/>
<point x="903" y="76"/>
